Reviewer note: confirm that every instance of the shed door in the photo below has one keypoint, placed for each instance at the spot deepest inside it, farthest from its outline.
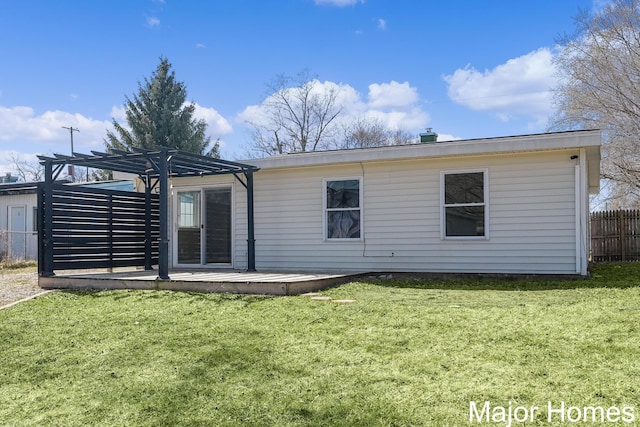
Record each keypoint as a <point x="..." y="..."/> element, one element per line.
<point x="204" y="229"/>
<point x="17" y="232"/>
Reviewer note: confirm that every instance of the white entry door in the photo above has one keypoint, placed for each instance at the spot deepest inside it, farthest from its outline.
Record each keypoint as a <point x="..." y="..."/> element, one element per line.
<point x="17" y="232"/>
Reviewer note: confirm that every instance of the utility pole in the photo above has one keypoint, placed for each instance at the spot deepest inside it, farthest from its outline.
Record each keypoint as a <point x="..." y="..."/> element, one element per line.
<point x="70" y="171"/>
<point x="71" y="130"/>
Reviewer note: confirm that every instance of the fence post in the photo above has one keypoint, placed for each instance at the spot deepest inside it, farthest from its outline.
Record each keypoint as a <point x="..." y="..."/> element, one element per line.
<point x="623" y="235"/>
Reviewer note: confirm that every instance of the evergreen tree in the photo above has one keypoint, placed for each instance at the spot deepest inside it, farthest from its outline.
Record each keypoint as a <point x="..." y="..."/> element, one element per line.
<point x="158" y="115"/>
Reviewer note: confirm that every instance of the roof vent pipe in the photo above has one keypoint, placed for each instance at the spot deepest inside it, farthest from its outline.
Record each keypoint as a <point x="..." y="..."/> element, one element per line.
<point x="428" y="137"/>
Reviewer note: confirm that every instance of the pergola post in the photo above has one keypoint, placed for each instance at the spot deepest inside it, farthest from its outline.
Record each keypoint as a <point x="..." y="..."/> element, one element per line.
<point x="148" y="265"/>
<point x="163" y="245"/>
<point x="46" y="269"/>
<point x="251" y="240"/>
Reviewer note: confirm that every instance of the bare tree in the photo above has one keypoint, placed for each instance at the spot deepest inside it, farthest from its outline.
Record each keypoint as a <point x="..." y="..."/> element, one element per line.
<point x="370" y="132"/>
<point x="600" y="77"/>
<point x="363" y="133"/>
<point x="27" y="171"/>
<point x="402" y="137"/>
<point x="298" y="115"/>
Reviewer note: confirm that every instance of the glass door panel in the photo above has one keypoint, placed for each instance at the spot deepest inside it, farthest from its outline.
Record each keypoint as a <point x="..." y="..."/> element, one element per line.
<point x="218" y="226"/>
<point x="189" y="226"/>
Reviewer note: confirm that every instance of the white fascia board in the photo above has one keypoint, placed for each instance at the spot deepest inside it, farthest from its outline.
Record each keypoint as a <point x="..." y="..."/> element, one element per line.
<point x="513" y="144"/>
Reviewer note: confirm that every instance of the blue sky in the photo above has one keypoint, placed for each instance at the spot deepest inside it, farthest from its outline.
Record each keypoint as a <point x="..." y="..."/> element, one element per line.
<point x="467" y="69"/>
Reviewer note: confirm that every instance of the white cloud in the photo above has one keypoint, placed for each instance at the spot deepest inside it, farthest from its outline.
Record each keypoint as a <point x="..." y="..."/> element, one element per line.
<point x="382" y="24"/>
<point x="46" y="130"/>
<point x="200" y="46"/>
<point x="25" y="133"/>
<point x="153" y="21"/>
<point x="521" y="87"/>
<point x="447" y="137"/>
<point x="394" y="104"/>
<point x="392" y="94"/>
<point x="218" y="126"/>
<point x="339" y="3"/>
<point x="118" y="113"/>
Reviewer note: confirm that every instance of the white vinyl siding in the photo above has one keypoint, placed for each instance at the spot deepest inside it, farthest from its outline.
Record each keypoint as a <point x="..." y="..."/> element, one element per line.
<point x="532" y="217"/>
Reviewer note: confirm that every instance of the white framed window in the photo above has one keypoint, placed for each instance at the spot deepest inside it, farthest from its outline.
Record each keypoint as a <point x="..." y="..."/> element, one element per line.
<point x="464" y="199"/>
<point x="342" y="205"/>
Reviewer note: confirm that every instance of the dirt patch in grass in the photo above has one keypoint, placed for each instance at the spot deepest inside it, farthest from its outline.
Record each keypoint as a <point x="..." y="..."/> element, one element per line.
<point x="17" y="284"/>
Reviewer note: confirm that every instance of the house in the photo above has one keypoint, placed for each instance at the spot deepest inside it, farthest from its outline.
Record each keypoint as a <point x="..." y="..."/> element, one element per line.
<point x="513" y="205"/>
<point x="506" y="205"/>
<point x="19" y="215"/>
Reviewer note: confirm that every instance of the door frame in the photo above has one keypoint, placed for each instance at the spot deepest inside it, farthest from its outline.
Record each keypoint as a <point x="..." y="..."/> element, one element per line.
<point x="11" y="231"/>
<point x="174" y="232"/>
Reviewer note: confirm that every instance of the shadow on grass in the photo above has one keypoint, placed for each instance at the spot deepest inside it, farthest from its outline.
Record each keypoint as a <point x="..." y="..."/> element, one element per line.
<point x="619" y="276"/>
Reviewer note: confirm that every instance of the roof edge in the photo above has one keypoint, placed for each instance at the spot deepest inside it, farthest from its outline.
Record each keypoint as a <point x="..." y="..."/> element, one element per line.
<point x="481" y="146"/>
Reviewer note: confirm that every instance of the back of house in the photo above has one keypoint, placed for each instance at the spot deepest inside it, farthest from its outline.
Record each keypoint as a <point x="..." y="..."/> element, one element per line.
<point x="515" y="205"/>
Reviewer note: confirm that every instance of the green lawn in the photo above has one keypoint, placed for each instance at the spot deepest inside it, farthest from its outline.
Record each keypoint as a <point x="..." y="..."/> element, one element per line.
<point x="405" y="354"/>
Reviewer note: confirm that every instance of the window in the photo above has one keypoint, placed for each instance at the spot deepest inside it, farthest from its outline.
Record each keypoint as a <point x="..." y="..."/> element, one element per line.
<point x="464" y="196"/>
<point x="189" y="209"/>
<point x="343" y="209"/>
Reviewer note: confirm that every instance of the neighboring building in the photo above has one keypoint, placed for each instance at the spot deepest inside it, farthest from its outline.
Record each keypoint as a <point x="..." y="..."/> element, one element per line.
<point x="18" y="221"/>
<point x="515" y="204"/>
<point x="19" y="216"/>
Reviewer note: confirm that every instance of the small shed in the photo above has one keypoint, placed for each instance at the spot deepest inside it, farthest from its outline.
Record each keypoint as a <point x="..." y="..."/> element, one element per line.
<point x="18" y="221"/>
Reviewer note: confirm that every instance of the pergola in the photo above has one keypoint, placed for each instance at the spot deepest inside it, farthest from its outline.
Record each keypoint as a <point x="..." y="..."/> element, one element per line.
<point x="154" y="168"/>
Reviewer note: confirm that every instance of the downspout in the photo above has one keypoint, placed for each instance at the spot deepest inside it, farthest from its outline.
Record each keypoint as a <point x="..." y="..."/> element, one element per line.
<point x="584" y="202"/>
<point x="578" y="212"/>
<point x="581" y="211"/>
<point x="251" y="240"/>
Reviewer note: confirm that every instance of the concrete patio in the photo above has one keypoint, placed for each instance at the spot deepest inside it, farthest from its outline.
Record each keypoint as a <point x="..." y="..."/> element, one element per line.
<point x="221" y="281"/>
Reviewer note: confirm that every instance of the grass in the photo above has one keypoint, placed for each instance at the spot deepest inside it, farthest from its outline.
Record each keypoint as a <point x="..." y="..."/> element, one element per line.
<point x="410" y="353"/>
<point x="18" y="267"/>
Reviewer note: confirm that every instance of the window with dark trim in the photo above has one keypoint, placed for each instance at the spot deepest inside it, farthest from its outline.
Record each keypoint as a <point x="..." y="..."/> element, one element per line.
<point x="343" y="209"/>
<point x="464" y="204"/>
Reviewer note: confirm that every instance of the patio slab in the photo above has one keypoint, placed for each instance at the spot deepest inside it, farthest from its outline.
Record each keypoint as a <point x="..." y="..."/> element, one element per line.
<point x="238" y="282"/>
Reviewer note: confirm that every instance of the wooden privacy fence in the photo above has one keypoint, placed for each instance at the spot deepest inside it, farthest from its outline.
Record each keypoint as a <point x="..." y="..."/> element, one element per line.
<point x="615" y="235"/>
<point x="99" y="228"/>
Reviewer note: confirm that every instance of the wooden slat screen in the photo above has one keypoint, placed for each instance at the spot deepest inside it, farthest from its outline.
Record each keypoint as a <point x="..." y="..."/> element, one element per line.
<point x="615" y="235"/>
<point x="98" y="228"/>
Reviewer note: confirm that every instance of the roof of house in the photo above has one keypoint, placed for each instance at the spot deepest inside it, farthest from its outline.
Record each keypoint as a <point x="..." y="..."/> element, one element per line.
<point x="590" y="140"/>
<point x="32" y="187"/>
<point x="18" y="188"/>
